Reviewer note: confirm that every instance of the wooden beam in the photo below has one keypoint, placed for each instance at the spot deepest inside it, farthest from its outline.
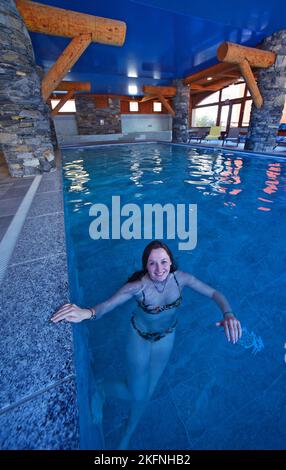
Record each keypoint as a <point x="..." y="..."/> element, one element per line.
<point x="162" y="90"/>
<point x="218" y="69"/>
<point x="73" y="86"/>
<point x="214" y="85"/>
<point x="68" y="96"/>
<point x="64" y="63"/>
<point x="148" y="98"/>
<point x="166" y="104"/>
<point x="59" y="22"/>
<point x="244" y="57"/>
<point x="109" y="95"/>
<point x="235" y="54"/>
<point x="251" y="83"/>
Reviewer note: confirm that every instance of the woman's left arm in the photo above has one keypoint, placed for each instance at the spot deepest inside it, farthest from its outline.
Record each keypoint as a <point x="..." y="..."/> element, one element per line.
<point x="230" y="323"/>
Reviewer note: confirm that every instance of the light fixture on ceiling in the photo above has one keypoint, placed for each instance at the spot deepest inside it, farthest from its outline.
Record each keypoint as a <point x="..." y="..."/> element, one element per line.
<point x="132" y="89"/>
<point x="132" y="73"/>
<point x="209" y="78"/>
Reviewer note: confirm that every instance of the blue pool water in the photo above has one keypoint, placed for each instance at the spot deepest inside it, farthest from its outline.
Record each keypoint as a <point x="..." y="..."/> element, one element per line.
<point x="213" y="394"/>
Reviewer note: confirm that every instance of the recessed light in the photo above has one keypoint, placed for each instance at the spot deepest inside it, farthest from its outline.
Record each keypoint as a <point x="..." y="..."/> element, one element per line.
<point x="132" y="89"/>
<point x="209" y="78"/>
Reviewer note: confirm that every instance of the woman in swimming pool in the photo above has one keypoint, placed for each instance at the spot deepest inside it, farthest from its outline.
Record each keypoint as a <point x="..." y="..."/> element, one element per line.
<point x="157" y="289"/>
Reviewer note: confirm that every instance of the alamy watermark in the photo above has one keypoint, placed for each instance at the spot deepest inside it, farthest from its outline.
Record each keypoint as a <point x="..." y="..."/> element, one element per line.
<point x="131" y="221"/>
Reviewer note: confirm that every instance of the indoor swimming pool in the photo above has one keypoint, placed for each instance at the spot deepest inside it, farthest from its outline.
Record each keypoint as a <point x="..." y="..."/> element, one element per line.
<point x="213" y="394"/>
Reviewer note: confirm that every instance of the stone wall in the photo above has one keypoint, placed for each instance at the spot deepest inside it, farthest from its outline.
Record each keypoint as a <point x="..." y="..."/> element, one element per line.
<point x="92" y="119"/>
<point x="181" y="105"/>
<point x="25" y="135"/>
<point x="264" y="122"/>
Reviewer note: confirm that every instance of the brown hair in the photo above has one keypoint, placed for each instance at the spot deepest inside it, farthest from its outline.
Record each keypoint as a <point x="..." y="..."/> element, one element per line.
<point x="155" y="244"/>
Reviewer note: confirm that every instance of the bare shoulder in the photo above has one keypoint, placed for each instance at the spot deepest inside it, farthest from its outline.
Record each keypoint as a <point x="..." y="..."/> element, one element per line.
<point x="132" y="288"/>
<point x="188" y="280"/>
<point x="184" y="279"/>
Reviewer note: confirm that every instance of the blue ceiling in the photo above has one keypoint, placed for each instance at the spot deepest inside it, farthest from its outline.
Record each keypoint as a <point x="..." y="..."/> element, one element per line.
<point x="165" y="39"/>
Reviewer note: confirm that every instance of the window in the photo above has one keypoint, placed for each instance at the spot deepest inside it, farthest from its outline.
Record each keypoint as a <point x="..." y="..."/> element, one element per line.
<point x="213" y="98"/>
<point x="68" y="107"/>
<point x="224" y="117"/>
<point x="133" y="106"/>
<point x="157" y="107"/>
<point x="204" y="117"/>
<point x="232" y="92"/>
<point x="235" y="112"/>
<point x="246" y="114"/>
<point x="283" y="119"/>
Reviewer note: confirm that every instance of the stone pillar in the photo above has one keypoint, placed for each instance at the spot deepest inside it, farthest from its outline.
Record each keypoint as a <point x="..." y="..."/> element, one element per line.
<point x="97" y="116"/>
<point x="264" y="122"/>
<point x="181" y="105"/>
<point x="25" y="135"/>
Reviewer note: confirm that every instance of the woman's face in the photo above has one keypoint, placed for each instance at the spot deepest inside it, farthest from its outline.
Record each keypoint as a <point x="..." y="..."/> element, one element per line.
<point x="158" y="264"/>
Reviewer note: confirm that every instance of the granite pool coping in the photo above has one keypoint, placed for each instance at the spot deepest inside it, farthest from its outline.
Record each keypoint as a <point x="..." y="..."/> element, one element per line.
<point x="38" y="392"/>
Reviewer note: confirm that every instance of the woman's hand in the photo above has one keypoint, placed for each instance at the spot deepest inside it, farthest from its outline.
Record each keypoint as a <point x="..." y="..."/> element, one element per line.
<point x="232" y="327"/>
<point x="71" y="313"/>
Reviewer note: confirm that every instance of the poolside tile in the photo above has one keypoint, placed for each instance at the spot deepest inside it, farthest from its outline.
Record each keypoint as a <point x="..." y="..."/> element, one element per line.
<point x="4" y="224"/>
<point x="37" y="352"/>
<point x="16" y="191"/>
<point x="40" y="237"/>
<point x="9" y="206"/>
<point x="51" y="182"/>
<point x="47" y="421"/>
<point x="46" y="203"/>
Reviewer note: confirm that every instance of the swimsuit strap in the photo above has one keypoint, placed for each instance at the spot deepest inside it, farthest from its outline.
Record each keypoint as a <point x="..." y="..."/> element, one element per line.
<point x="160" y="309"/>
<point x="180" y="292"/>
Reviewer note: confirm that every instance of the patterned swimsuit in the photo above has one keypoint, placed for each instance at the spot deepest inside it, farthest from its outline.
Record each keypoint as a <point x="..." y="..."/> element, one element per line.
<point x="157" y="335"/>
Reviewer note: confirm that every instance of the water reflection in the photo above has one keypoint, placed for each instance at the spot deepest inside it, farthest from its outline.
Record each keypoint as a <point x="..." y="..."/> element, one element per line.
<point x="76" y="176"/>
<point x="273" y="172"/>
<point x="216" y="171"/>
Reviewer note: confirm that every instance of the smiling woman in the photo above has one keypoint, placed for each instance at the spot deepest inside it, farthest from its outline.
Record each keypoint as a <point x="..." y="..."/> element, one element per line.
<point x="157" y="288"/>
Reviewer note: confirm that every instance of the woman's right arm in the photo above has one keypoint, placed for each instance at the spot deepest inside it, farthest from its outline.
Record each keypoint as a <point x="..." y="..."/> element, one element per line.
<point x="74" y="314"/>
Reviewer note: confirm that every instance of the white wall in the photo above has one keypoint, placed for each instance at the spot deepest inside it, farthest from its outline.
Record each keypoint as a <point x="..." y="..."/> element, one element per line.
<point x="134" y="127"/>
<point x="65" y="125"/>
<point x="145" y="123"/>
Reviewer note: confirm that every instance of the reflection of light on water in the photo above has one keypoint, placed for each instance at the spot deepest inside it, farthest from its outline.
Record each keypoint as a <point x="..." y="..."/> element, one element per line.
<point x="271" y="184"/>
<point x="77" y="176"/>
<point x="217" y="171"/>
<point x="135" y="170"/>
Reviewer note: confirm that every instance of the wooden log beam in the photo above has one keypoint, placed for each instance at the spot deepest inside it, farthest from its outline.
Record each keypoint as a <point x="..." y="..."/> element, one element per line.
<point x="148" y="98"/>
<point x="59" y="22"/>
<point x="64" y="63"/>
<point x="214" y="70"/>
<point x="162" y="90"/>
<point x="251" y="83"/>
<point x="73" y="86"/>
<point x="166" y="104"/>
<point x="245" y="57"/>
<point x="213" y="85"/>
<point x="68" y="96"/>
<point x="235" y="54"/>
<point x="110" y="95"/>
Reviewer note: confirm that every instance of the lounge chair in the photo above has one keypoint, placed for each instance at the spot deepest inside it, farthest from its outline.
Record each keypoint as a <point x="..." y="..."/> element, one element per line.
<point x="233" y="135"/>
<point x="197" y="134"/>
<point x="281" y="139"/>
<point x="214" y="133"/>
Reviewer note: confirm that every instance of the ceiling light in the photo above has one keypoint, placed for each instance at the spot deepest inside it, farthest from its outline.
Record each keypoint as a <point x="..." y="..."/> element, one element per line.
<point x="132" y="89"/>
<point x="132" y="73"/>
<point x="209" y="78"/>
